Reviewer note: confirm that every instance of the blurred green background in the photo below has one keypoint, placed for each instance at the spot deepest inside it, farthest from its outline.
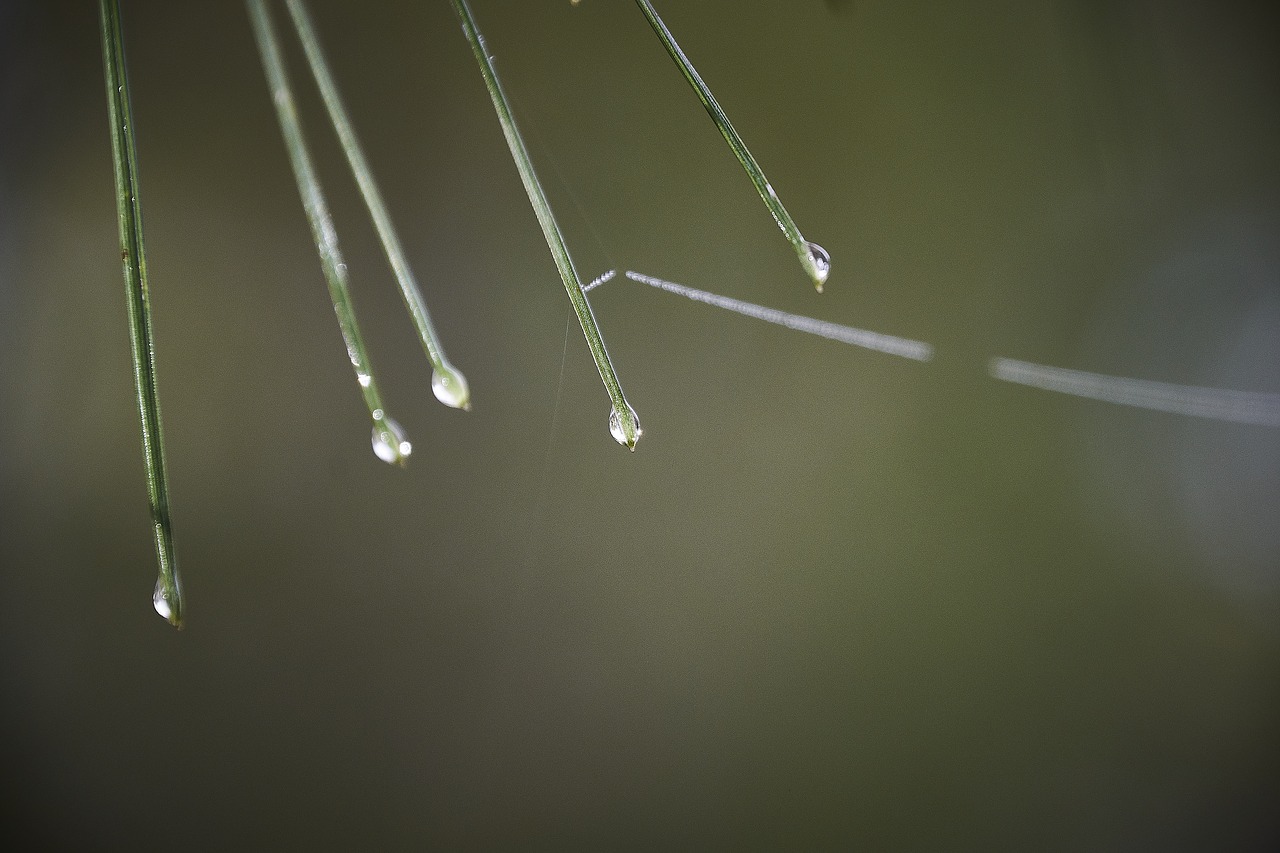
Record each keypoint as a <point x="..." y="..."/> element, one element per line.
<point x="835" y="600"/>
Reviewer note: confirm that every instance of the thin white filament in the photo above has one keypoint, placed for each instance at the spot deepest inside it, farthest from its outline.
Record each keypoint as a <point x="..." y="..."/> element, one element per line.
<point x="903" y="347"/>
<point x="1245" y="407"/>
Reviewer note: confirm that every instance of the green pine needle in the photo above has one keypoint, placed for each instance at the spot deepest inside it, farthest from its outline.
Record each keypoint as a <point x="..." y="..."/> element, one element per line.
<point x="447" y="382"/>
<point x="167" y="597"/>
<point x="814" y="258"/>
<point x="389" y="442"/>
<point x="624" y="425"/>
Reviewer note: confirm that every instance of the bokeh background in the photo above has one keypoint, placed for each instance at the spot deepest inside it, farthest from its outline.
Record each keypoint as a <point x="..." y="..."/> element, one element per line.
<point x="835" y="600"/>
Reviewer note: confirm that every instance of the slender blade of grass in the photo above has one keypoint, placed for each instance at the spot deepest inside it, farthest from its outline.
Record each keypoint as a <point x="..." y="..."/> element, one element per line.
<point x="388" y="438"/>
<point x="814" y="259"/>
<point x="167" y="597"/>
<point x="624" y="425"/>
<point x="448" y="383"/>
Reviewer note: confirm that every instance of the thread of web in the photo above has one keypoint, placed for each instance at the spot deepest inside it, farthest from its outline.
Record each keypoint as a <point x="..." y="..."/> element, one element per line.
<point x="889" y="344"/>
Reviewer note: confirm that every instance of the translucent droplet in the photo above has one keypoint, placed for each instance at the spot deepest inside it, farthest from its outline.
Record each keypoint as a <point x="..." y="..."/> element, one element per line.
<point x="160" y="601"/>
<point x="625" y="430"/>
<point x="450" y="387"/>
<point x="819" y="264"/>
<point x="389" y="442"/>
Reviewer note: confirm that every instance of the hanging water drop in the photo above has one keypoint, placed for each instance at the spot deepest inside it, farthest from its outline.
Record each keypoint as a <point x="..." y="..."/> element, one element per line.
<point x="389" y="442"/>
<point x="160" y="601"/>
<point x="450" y="387"/>
<point x="625" y="430"/>
<point x="818" y="264"/>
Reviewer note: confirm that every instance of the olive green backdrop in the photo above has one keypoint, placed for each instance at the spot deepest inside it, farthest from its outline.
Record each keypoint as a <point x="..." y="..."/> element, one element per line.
<point x="835" y="600"/>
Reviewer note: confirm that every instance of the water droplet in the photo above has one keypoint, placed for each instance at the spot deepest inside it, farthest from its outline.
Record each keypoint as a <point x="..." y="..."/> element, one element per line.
<point x="819" y="264"/>
<point x="389" y="442"/>
<point x="160" y="601"/>
<point x="450" y="387"/>
<point x="625" y="430"/>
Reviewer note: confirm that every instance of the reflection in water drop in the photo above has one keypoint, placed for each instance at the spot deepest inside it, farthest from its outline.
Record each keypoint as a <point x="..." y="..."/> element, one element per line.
<point x="160" y="601"/>
<point x="625" y="430"/>
<point x="450" y="387"/>
<point x="389" y="442"/>
<point x="819" y="264"/>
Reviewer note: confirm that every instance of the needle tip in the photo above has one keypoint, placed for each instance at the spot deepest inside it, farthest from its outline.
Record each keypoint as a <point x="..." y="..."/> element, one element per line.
<point x="625" y="427"/>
